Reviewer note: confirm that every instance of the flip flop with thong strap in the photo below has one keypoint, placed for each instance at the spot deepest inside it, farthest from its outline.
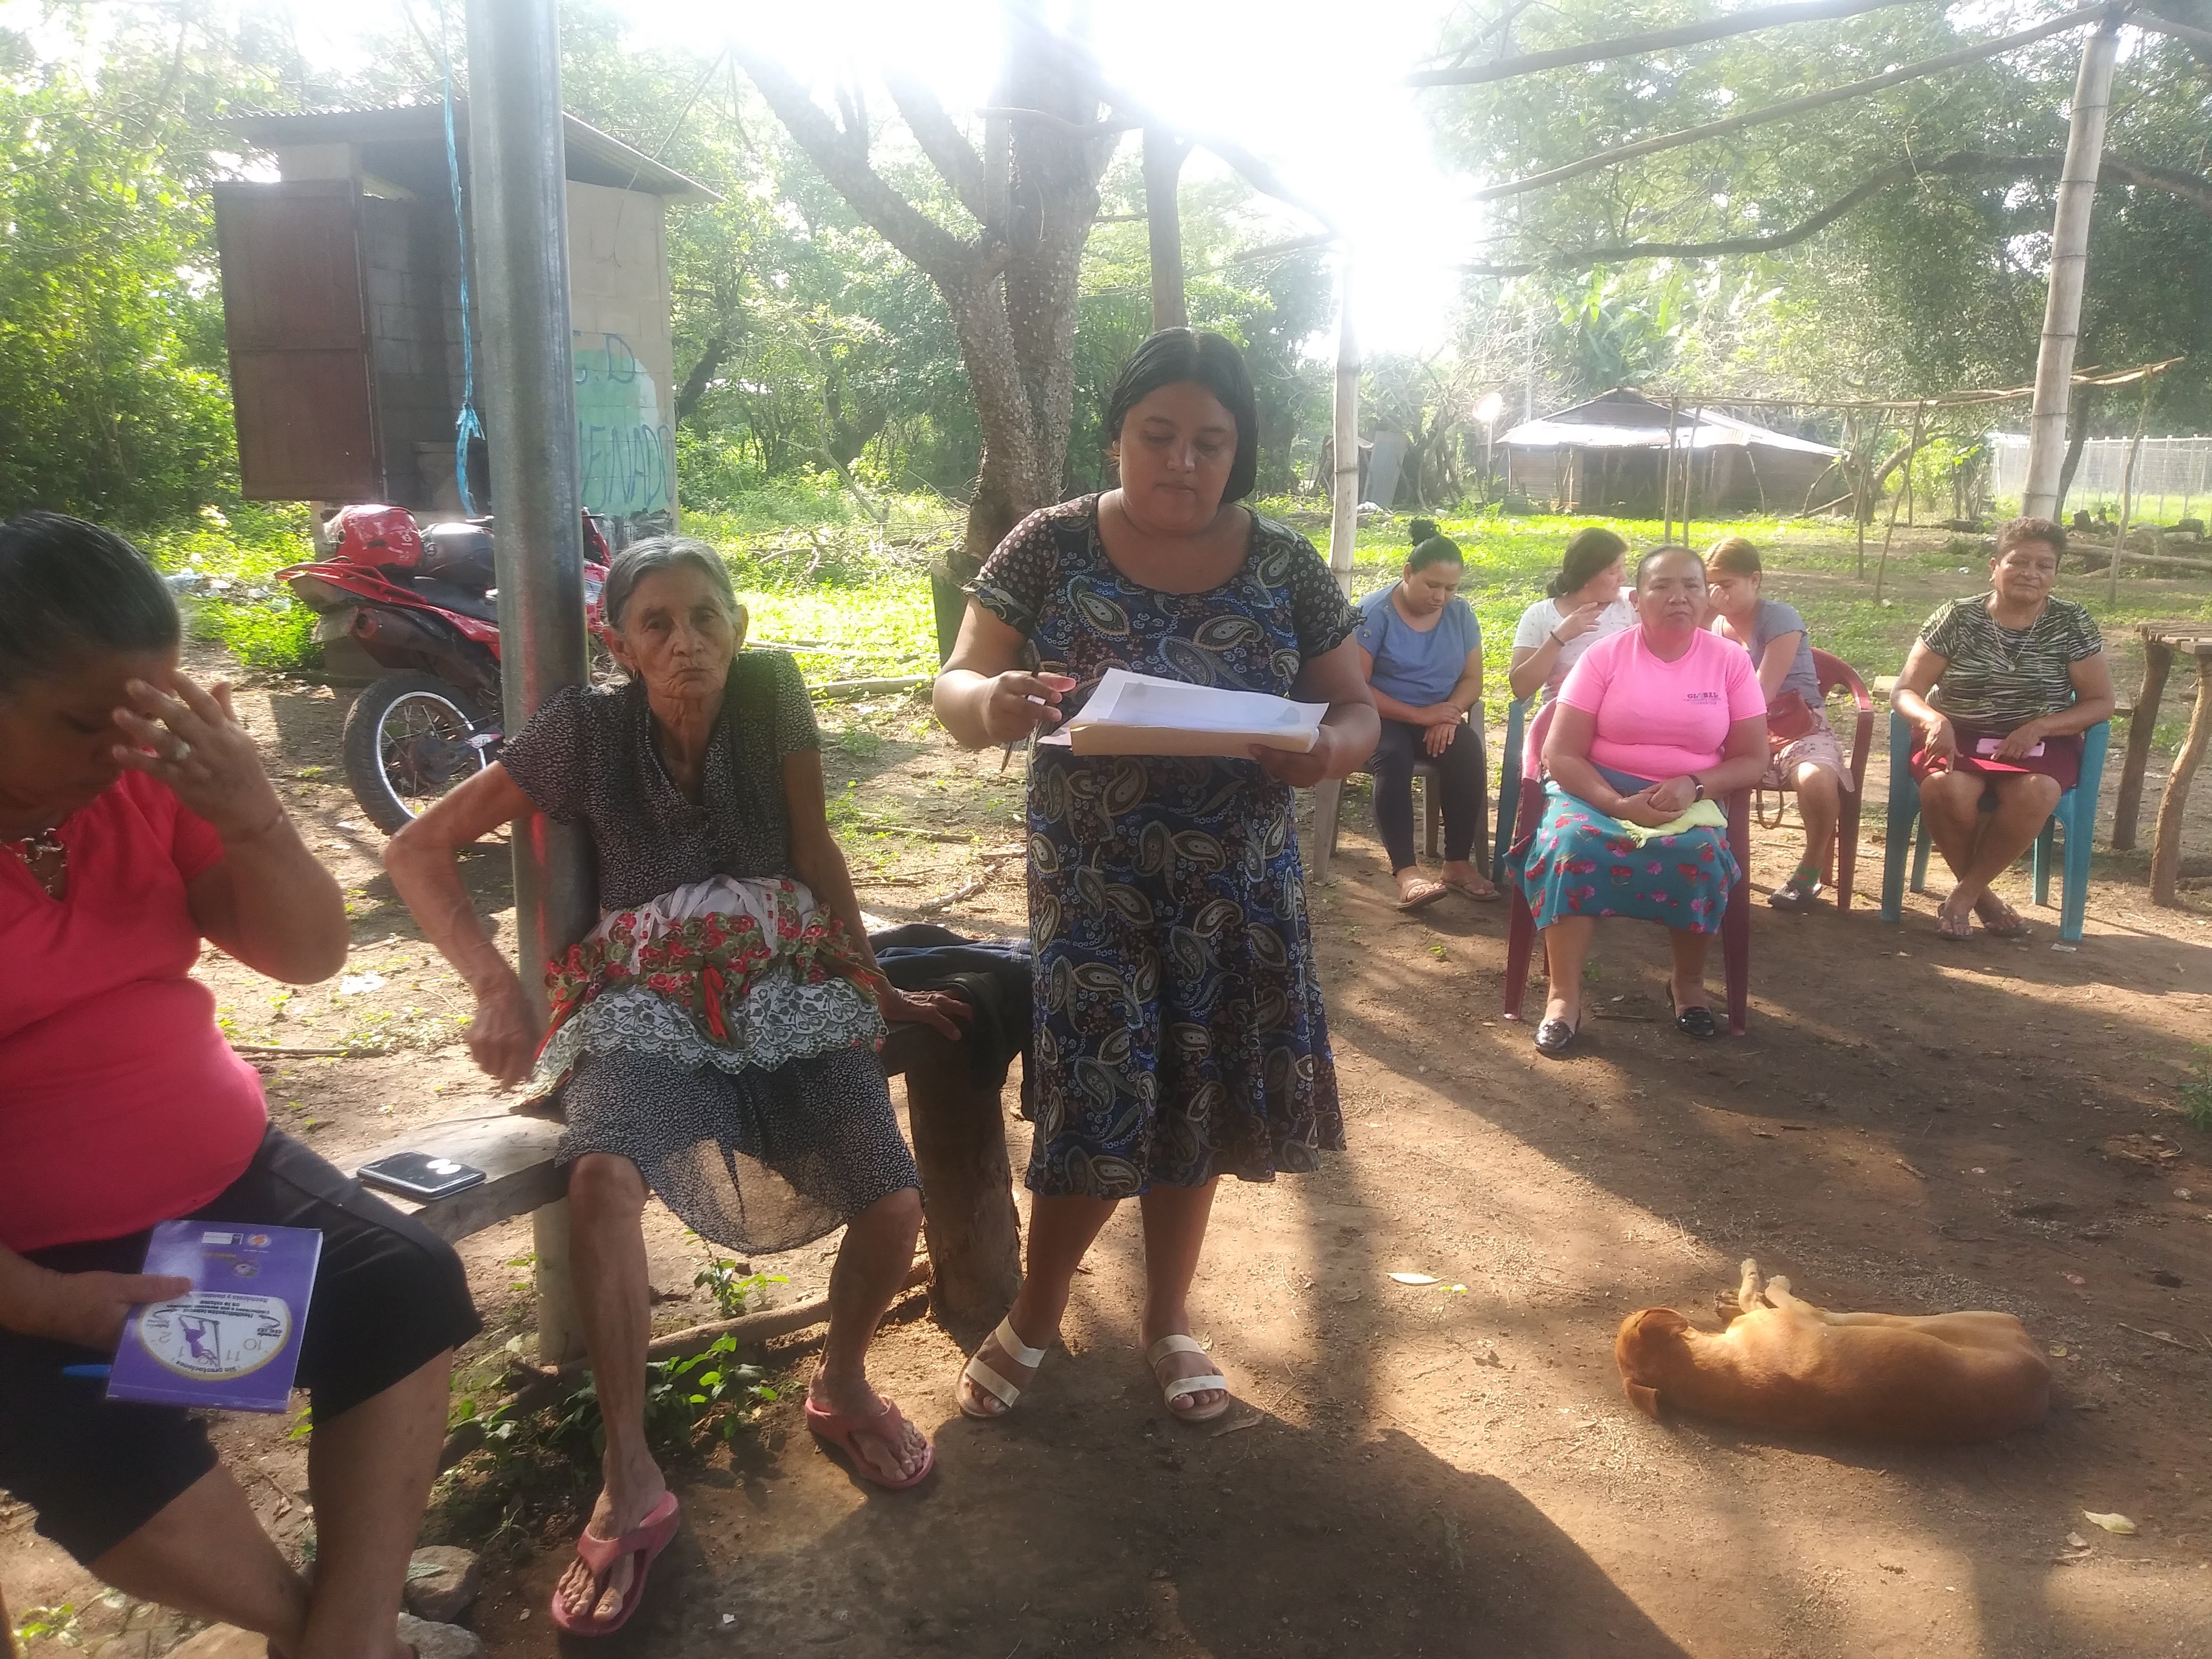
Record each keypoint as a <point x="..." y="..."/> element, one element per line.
<point x="1480" y="895"/>
<point x="1182" y="1387"/>
<point x="843" y="1429"/>
<point x="980" y="1377"/>
<point x="1423" y="895"/>
<point x="2008" y="924"/>
<point x="642" y="1543"/>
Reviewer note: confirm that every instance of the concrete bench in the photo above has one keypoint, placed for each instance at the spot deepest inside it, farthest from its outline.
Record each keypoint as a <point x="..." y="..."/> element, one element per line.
<point x="969" y="1223"/>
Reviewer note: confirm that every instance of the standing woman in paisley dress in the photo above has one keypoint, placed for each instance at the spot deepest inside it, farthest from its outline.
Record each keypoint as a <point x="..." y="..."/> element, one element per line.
<point x="1180" y="1032"/>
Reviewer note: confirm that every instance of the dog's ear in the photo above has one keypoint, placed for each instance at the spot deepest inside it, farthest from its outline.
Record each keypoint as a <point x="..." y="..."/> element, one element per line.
<point x="1644" y="1399"/>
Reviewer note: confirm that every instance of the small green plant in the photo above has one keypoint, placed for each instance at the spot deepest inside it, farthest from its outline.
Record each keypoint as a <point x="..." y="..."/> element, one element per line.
<point x="2196" y="1090"/>
<point x="733" y="1288"/>
<point x="56" y="1624"/>
<point x="683" y="1398"/>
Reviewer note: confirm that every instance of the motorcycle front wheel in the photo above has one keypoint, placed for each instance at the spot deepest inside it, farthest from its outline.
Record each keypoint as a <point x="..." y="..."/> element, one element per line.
<point x="410" y="738"/>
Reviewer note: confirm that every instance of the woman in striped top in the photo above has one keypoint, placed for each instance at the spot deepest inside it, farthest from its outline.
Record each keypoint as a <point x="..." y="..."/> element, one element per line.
<point x="2001" y="686"/>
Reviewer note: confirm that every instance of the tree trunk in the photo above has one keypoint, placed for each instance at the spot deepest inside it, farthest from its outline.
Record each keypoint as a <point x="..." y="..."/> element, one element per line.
<point x="2083" y="412"/>
<point x="2044" y="493"/>
<point x="1012" y="289"/>
<point x="1164" y="160"/>
<point x="702" y="376"/>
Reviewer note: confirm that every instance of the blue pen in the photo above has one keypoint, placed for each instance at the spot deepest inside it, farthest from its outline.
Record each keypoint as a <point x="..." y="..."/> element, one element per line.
<point x="91" y="1373"/>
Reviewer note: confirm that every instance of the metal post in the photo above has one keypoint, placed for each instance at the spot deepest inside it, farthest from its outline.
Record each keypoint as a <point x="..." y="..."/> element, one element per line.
<point x="2070" y="266"/>
<point x="517" y="172"/>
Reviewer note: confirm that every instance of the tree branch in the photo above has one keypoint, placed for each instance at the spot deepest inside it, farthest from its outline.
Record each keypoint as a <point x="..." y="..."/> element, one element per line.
<point x="1787" y="106"/>
<point x="845" y="165"/>
<point x="944" y="143"/>
<point x="2190" y="188"/>
<point x="1630" y="45"/>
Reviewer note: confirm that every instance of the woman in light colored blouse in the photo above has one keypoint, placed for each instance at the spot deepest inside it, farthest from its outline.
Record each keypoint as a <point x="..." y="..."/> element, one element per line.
<point x="1999" y="688"/>
<point x="1422" y="652"/>
<point x="1584" y="604"/>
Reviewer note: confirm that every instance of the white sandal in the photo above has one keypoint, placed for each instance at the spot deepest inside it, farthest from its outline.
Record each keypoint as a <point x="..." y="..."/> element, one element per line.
<point x="984" y="1380"/>
<point x="1182" y="1388"/>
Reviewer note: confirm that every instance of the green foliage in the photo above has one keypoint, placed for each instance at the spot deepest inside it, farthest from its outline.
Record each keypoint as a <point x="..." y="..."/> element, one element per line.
<point x="2196" y="1090"/>
<point x="1933" y="282"/>
<point x="58" y="1624"/>
<point x="237" y="554"/>
<point x="733" y="1289"/>
<point x="706" y="1395"/>
<point x="113" y="398"/>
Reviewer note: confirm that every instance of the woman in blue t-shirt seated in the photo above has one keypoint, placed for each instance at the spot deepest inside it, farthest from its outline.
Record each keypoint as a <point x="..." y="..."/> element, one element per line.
<point x="1422" y="653"/>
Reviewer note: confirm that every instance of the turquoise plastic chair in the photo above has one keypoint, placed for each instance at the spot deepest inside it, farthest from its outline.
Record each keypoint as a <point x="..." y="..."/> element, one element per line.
<point x="2075" y="813"/>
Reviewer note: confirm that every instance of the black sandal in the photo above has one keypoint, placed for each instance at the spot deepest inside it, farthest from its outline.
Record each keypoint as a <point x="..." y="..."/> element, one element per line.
<point x="1555" y="1037"/>
<point x="1698" y="1022"/>
<point x="1795" y="894"/>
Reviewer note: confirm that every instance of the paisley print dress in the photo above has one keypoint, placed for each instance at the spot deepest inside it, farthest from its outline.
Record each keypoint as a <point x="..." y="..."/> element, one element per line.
<point x="1180" y="1031"/>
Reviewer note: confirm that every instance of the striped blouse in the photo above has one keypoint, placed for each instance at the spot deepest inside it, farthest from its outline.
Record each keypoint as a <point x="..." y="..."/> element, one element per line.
<point x="2002" y="678"/>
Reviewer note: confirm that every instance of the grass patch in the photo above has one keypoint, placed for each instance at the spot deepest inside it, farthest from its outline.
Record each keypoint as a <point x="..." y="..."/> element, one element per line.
<point x="239" y="603"/>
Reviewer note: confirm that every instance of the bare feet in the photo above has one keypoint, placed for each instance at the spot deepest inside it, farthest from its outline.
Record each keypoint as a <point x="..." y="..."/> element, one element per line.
<point x="625" y="1500"/>
<point x="1170" y="1366"/>
<point x="981" y="1402"/>
<point x="1462" y="877"/>
<point x="895" y="1453"/>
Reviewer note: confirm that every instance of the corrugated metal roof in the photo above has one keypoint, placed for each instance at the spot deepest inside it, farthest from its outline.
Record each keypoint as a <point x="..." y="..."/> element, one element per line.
<point x="593" y="157"/>
<point x="1622" y="419"/>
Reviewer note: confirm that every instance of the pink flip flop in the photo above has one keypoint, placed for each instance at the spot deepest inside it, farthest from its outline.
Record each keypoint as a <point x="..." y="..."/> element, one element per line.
<point x="840" y="1428"/>
<point x="644" y="1541"/>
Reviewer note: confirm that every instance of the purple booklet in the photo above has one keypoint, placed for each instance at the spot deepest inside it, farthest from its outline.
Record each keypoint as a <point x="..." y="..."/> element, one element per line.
<point x="233" y="1339"/>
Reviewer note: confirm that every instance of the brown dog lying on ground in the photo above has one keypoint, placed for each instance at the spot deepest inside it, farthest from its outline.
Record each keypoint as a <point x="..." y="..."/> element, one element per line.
<point x="1784" y="1364"/>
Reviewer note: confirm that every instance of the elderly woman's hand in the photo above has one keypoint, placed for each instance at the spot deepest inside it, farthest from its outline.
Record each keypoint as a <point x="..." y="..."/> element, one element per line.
<point x="503" y="1037"/>
<point x="1438" y="736"/>
<point x="1020" y="703"/>
<point x="940" y="1010"/>
<point x="188" y="739"/>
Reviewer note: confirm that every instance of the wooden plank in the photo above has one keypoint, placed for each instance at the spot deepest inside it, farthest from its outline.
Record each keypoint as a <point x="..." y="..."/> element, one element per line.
<point x="2166" y="839"/>
<point x="514" y="1152"/>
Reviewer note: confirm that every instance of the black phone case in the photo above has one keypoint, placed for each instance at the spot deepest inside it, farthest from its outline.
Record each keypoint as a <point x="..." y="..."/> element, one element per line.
<point x="418" y="1182"/>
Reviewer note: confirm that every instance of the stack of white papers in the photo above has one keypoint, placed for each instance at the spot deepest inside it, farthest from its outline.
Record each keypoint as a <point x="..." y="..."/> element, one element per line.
<point x="1141" y="715"/>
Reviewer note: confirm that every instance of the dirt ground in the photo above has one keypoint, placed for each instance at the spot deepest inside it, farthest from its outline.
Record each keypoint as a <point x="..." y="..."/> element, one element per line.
<point x="1449" y="1468"/>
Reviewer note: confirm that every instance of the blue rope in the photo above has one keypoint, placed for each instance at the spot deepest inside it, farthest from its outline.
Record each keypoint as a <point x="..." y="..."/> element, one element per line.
<point x="467" y="424"/>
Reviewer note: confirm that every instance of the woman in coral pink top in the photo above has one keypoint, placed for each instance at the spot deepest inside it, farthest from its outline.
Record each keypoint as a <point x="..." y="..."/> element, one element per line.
<point x="135" y="822"/>
<point x="1655" y="728"/>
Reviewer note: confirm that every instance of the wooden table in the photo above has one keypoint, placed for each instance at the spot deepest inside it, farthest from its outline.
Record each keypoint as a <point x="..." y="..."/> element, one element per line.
<point x="2161" y="640"/>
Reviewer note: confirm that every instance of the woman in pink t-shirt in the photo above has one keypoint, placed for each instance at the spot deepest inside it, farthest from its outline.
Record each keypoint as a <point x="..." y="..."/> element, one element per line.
<point x="1651" y="724"/>
<point x="135" y="821"/>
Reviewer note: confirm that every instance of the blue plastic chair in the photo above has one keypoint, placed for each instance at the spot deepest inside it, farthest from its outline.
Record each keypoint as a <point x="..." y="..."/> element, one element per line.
<point x="2076" y="813"/>
<point x="1509" y="785"/>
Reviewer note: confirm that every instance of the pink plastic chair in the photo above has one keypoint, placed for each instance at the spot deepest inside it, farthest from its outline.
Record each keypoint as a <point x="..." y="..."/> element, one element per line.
<point x="1735" y="922"/>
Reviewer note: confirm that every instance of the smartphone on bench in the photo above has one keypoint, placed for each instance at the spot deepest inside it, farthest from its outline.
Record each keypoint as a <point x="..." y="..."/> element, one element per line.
<point x="420" y="1176"/>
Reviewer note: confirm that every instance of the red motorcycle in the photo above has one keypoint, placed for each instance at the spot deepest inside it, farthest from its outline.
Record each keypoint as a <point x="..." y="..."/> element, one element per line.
<point x="415" y="612"/>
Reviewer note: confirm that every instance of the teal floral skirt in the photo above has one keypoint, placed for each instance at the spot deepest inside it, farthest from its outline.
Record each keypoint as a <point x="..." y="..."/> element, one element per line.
<point x="1581" y="862"/>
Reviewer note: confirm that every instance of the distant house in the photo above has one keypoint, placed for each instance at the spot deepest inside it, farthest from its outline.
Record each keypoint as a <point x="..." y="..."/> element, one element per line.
<point x="341" y="289"/>
<point x="1609" y="455"/>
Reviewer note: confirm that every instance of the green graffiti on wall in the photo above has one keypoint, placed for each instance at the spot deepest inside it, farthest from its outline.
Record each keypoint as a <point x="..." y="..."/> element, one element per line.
<point x="627" y="452"/>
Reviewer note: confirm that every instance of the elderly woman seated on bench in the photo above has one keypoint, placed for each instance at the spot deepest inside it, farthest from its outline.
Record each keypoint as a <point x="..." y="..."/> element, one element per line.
<point x="136" y="823"/>
<point x="1654" y="727"/>
<point x="713" y="1039"/>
